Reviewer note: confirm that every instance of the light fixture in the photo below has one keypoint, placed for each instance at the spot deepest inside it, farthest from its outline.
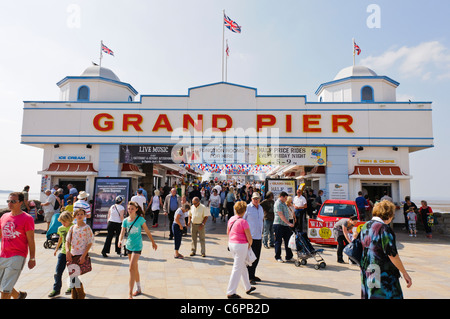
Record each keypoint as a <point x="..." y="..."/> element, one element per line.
<point x="56" y="146"/>
<point x="395" y="148"/>
<point x="89" y="146"/>
<point x="360" y="148"/>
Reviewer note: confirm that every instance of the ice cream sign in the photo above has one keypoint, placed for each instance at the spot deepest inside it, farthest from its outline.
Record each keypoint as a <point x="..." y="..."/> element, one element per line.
<point x="72" y="158"/>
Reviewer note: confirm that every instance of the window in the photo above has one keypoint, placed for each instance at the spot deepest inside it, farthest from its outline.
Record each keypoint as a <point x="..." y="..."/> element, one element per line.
<point x="83" y="93"/>
<point x="367" y="94"/>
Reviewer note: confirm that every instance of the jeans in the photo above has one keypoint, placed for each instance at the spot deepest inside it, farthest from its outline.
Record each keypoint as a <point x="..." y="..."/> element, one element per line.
<point x="342" y="242"/>
<point x="268" y="232"/>
<point x="60" y="266"/>
<point x="113" y="232"/>
<point x="282" y="233"/>
<point x="177" y="234"/>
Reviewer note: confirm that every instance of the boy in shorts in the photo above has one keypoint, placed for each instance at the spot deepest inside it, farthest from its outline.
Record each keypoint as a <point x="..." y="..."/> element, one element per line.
<point x="412" y="219"/>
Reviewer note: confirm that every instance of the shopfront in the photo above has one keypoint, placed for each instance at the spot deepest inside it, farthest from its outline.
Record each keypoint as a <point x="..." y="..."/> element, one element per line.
<point x="362" y="144"/>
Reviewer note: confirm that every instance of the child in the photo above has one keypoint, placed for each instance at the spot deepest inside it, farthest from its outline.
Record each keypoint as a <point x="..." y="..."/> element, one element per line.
<point x="412" y="219"/>
<point x="133" y="226"/>
<point x="66" y="220"/>
<point x="69" y="206"/>
<point x="78" y="242"/>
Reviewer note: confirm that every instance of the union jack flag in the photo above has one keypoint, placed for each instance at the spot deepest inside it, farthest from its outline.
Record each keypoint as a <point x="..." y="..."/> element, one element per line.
<point x="230" y="24"/>
<point x="107" y="50"/>
<point x="356" y="48"/>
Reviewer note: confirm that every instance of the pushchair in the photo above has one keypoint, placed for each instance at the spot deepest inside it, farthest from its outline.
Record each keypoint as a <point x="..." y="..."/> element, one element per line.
<point x="305" y="250"/>
<point x="52" y="236"/>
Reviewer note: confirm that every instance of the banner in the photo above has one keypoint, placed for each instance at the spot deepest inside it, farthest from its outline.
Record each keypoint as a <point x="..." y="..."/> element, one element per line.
<point x="276" y="186"/>
<point x="289" y="155"/>
<point x="321" y="232"/>
<point x="156" y="154"/>
<point x="106" y="190"/>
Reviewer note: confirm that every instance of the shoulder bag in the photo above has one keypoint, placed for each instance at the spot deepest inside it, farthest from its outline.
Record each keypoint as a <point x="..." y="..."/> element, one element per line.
<point x="354" y="250"/>
<point x="74" y="266"/>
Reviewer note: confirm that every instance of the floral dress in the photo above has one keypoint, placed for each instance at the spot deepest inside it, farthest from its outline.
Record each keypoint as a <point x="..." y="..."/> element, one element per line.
<point x="379" y="276"/>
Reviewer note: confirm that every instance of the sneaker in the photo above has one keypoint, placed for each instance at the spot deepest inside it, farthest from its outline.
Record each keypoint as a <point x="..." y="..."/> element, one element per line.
<point x="280" y="260"/>
<point x="53" y="293"/>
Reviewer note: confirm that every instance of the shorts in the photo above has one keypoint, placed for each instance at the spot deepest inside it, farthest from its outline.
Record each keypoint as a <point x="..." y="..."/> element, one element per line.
<point x="215" y="211"/>
<point x="10" y="269"/>
<point x="48" y="216"/>
<point x="129" y="252"/>
<point x="412" y="226"/>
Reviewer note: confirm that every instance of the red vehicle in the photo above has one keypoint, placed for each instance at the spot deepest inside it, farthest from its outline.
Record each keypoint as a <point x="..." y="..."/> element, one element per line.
<point x="320" y="230"/>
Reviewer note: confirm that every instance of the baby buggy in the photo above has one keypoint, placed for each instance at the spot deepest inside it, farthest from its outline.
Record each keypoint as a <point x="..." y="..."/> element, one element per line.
<point x="305" y="250"/>
<point x="52" y="236"/>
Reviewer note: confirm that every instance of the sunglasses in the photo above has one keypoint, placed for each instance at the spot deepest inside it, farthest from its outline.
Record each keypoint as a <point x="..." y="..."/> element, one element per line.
<point x="12" y="201"/>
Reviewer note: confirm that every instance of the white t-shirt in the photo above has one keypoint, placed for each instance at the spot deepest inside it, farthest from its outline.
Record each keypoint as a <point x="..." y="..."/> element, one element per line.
<point x="116" y="210"/>
<point x="215" y="201"/>
<point x="51" y="207"/>
<point x="299" y="201"/>
<point x="140" y="200"/>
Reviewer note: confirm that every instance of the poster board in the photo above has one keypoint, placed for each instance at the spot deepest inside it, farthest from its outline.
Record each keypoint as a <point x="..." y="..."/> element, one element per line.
<point x="276" y="186"/>
<point x="106" y="189"/>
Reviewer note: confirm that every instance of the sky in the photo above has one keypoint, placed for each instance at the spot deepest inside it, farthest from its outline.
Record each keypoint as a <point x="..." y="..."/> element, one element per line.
<point x="286" y="47"/>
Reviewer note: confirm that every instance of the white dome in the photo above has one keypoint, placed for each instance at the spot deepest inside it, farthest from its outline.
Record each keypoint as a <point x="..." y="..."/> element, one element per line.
<point x="355" y="70"/>
<point x="96" y="70"/>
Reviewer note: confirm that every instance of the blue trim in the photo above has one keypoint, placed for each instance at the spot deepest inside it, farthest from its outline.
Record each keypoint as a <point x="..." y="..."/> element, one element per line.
<point x="373" y="94"/>
<point x="358" y="78"/>
<point x="206" y="144"/>
<point x="96" y="78"/>
<point x="88" y="94"/>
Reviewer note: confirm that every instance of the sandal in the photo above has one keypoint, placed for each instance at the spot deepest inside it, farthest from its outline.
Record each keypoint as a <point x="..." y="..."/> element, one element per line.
<point x="180" y="256"/>
<point x="137" y="293"/>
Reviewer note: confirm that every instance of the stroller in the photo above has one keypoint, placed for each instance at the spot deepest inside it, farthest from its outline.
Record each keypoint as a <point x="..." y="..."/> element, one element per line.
<point x="52" y="236"/>
<point x="305" y="250"/>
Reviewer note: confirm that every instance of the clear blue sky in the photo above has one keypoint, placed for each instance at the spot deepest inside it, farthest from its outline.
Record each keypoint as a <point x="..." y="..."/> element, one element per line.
<point x="166" y="47"/>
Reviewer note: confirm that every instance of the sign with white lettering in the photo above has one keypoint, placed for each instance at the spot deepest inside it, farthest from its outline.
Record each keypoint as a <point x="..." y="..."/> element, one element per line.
<point x="72" y="158"/>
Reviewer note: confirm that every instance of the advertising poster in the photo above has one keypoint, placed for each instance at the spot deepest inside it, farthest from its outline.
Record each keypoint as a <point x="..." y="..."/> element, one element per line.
<point x="276" y="186"/>
<point x="106" y="190"/>
<point x="156" y="154"/>
<point x="290" y="155"/>
<point x="321" y="232"/>
<point x="338" y="191"/>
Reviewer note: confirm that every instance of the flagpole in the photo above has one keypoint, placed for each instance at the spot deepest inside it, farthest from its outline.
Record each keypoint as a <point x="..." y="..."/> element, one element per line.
<point x="223" y="40"/>
<point x="226" y="65"/>
<point x="353" y="51"/>
<point x="101" y="55"/>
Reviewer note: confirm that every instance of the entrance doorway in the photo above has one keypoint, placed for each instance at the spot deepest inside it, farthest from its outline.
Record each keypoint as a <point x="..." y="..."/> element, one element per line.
<point x="376" y="190"/>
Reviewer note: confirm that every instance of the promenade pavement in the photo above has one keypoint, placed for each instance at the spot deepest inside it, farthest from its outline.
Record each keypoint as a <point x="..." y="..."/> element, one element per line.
<point x="197" y="277"/>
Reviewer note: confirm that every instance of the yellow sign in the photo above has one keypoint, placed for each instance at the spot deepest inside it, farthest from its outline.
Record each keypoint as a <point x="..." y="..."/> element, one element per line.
<point x="292" y="155"/>
<point x="325" y="232"/>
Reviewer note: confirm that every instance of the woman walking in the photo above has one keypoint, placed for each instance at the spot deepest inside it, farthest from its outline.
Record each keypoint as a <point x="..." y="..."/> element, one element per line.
<point x="155" y="205"/>
<point x="115" y="218"/>
<point x="240" y="241"/>
<point x="380" y="264"/>
<point x="177" y="227"/>
<point x="132" y="226"/>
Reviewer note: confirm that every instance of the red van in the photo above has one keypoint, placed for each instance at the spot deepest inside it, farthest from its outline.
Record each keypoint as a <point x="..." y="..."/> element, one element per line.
<point x="320" y="230"/>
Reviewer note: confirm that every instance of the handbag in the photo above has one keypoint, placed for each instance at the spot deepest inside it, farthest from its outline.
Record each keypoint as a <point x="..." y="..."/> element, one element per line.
<point x="76" y="269"/>
<point x="354" y="250"/>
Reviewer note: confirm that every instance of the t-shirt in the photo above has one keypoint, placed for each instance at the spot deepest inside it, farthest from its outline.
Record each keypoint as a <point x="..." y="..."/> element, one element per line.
<point x="361" y="202"/>
<point x="50" y="208"/>
<point x="412" y="217"/>
<point x="198" y="213"/>
<point x="84" y="205"/>
<point x="215" y="201"/>
<point x="182" y="219"/>
<point x="280" y="207"/>
<point x="14" y="238"/>
<point x="134" y="240"/>
<point x="79" y="238"/>
<point x="338" y="227"/>
<point x="140" y="200"/>
<point x="236" y="228"/>
<point x="300" y="201"/>
<point x="62" y="232"/>
<point x="156" y="205"/>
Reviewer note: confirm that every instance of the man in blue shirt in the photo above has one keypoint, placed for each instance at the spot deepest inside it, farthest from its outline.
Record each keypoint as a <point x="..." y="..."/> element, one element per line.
<point x="255" y="218"/>
<point x="361" y="202"/>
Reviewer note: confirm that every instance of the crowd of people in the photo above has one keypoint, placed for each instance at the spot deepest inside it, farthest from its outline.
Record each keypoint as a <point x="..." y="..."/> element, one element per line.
<point x="254" y="218"/>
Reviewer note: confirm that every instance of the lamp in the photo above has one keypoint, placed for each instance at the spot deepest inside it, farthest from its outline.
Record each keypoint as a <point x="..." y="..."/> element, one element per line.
<point x="360" y="148"/>
<point x="89" y="146"/>
<point x="56" y="146"/>
<point x="395" y="148"/>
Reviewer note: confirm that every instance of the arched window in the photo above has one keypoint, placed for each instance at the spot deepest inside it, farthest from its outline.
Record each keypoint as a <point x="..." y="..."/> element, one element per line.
<point x="367" y="94"/>
<point x="83" y="93"/>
